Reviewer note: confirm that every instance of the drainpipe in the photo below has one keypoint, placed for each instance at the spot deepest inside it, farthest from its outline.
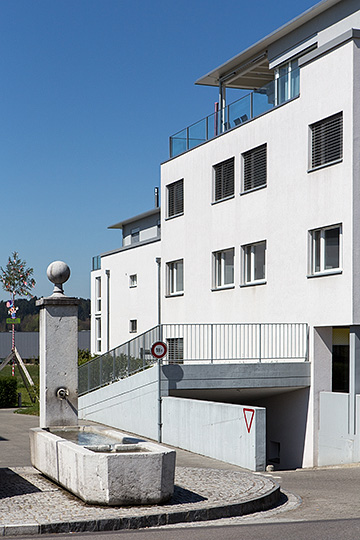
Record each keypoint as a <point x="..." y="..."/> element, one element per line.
<point x="158" y="262"/>
<point x="107" y="272"/>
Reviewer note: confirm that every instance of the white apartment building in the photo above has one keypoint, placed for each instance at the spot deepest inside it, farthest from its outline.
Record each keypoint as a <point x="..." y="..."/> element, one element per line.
<point x="260" y="225"/>
<point x="124" y="281"/>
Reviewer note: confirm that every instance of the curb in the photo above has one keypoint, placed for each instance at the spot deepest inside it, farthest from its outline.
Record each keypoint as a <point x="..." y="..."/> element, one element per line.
<point x="251" y="506"/>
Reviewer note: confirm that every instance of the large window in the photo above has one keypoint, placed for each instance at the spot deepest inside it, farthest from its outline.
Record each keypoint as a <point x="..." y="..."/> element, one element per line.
<point x="287" y="82"/>
<point x="325" y="249"/>
<point x="326" y="141"/>
<point x="254" y="256"/>
<point x="175" y="198"/>
<point x="254" y="165"/>
<point x="223" y="274"/>
<point x="224" y="179"/>
<point x="175" y="277"/>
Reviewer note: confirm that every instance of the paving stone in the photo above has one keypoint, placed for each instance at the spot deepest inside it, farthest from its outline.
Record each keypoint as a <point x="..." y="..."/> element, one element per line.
<point x="30" y="503"/>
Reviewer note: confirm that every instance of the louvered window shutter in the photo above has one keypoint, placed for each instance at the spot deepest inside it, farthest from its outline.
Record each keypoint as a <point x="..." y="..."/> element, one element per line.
<point x="176" y="198"/>
<point x="255" y="168"/>
<point x="327" y="141"/>
<point x="224" y="179"/>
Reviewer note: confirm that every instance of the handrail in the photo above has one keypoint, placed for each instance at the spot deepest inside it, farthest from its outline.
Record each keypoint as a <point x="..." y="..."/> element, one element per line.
<point x="198" y="343"/>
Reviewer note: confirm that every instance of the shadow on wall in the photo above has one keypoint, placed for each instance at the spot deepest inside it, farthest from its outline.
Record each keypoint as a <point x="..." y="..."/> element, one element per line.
<point x="174" y="374"/>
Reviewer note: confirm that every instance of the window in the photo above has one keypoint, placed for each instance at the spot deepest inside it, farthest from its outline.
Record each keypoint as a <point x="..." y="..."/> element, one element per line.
<point x="133" y="280"/>
<point x="254" y="162"/>
<point x="98" y="294"/>
<point x="254" y="263"/>
<point x="287" y="79"/>
<point x="175" y="277"/>
<point x="96" y="262"/>
<point x="224" y="179"/>
<point x="175" y="350"/>
<point x="175" y="194"/>
<point x="135" y="235"/>
<point x="326" y="141"/>
<point x="223" y="268"/>
<point x="325" y="250"/>
<point x="98" y="334"/>
<point x="133" y="326"/>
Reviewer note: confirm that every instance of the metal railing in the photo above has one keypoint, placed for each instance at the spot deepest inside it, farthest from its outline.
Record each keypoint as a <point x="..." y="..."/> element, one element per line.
<point x="119" y="363"/>
<point x="249" y="106"/>
<point x="198" y="344"/>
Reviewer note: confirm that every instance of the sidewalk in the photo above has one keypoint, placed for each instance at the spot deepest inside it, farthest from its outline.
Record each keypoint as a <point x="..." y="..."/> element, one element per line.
<point x="204" y="489"/>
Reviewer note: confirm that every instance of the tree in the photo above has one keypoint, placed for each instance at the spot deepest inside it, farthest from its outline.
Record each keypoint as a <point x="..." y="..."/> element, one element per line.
<point x="18" y="281"/>
<point x="16" y="278"/>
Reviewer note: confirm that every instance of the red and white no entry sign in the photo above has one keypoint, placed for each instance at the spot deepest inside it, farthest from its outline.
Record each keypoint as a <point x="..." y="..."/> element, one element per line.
<point x="159" y="349"/>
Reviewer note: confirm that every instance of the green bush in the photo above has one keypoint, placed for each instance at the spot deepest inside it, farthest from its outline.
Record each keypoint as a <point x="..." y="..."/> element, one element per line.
<point x="8" y="392"/>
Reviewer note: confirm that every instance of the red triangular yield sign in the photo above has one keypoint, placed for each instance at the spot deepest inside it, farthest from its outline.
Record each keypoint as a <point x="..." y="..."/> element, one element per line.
<point x="249" y="417"/>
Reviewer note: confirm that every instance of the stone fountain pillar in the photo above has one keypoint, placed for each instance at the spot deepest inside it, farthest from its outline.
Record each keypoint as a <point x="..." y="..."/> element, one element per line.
<point x="58" y="352"/>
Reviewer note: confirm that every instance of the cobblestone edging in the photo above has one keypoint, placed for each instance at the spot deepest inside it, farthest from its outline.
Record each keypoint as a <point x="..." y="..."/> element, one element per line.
<point x="31" y="504"/>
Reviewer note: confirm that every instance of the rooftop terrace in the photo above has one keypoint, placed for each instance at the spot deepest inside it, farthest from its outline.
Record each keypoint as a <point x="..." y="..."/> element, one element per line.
<point x="283" y="88"/>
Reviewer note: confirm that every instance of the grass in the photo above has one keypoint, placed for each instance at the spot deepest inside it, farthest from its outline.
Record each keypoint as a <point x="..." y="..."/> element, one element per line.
<point x="27" y="406"/>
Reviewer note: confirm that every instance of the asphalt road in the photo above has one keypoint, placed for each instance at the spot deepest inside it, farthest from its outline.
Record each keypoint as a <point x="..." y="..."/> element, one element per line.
<point x="329" y="510"/>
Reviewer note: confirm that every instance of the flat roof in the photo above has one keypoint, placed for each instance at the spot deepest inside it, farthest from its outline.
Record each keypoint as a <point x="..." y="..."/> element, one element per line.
<point x="252" y="55"/>
<point x="121" y="224"/>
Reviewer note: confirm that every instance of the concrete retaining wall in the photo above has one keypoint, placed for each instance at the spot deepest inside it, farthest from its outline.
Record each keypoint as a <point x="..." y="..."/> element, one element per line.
<point x="130" y="404"/>
<point x="232" y="433"/>
<point x="339" y="442"/>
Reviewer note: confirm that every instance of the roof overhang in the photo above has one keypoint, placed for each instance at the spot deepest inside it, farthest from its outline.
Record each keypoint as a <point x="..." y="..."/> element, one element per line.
<point x="149" y="213"/>
<point x="247" y="67"/>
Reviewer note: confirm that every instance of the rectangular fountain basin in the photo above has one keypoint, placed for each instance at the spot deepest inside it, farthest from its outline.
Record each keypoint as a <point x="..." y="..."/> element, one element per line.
<point x="103" y="465"/>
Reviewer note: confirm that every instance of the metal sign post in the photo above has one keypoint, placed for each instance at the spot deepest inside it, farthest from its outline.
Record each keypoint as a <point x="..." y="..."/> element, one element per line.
<point x="158" y="351"/>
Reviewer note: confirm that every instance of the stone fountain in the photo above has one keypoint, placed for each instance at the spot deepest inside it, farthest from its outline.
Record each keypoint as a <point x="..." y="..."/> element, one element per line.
<point x="98" y="464"/>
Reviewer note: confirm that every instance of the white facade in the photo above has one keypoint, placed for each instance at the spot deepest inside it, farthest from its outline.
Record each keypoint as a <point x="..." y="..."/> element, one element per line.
<point x="125" y="282"/>
<point x="259" y="224"/>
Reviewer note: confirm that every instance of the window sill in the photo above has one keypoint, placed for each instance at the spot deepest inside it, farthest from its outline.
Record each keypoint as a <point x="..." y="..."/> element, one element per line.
<point x="253" y="189"/>
<point x="174" y="295"/>
<point x="174" y="216"/>
<point x="325" y="165"/>
<point x="332" y="272"/>
<point x="224" y="199"/>
<point x="254" y="283"/>
<point x="223" y="288"/>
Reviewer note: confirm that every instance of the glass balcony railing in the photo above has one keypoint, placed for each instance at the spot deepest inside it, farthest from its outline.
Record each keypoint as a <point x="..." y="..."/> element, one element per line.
<point x="250" y="106"/>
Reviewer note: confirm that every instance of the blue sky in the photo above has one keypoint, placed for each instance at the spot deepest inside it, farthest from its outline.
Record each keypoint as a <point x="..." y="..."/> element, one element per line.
<point x="90" y="91"/>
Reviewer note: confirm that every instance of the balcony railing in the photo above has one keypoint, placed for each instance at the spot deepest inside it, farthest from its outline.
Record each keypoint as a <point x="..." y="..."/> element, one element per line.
<point x="198" y="344"/>
<point x="249" y="106"/>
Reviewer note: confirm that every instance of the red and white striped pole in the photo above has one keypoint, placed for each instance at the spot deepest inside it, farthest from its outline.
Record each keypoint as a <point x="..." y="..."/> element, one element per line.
<point x="13" y="339"/>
